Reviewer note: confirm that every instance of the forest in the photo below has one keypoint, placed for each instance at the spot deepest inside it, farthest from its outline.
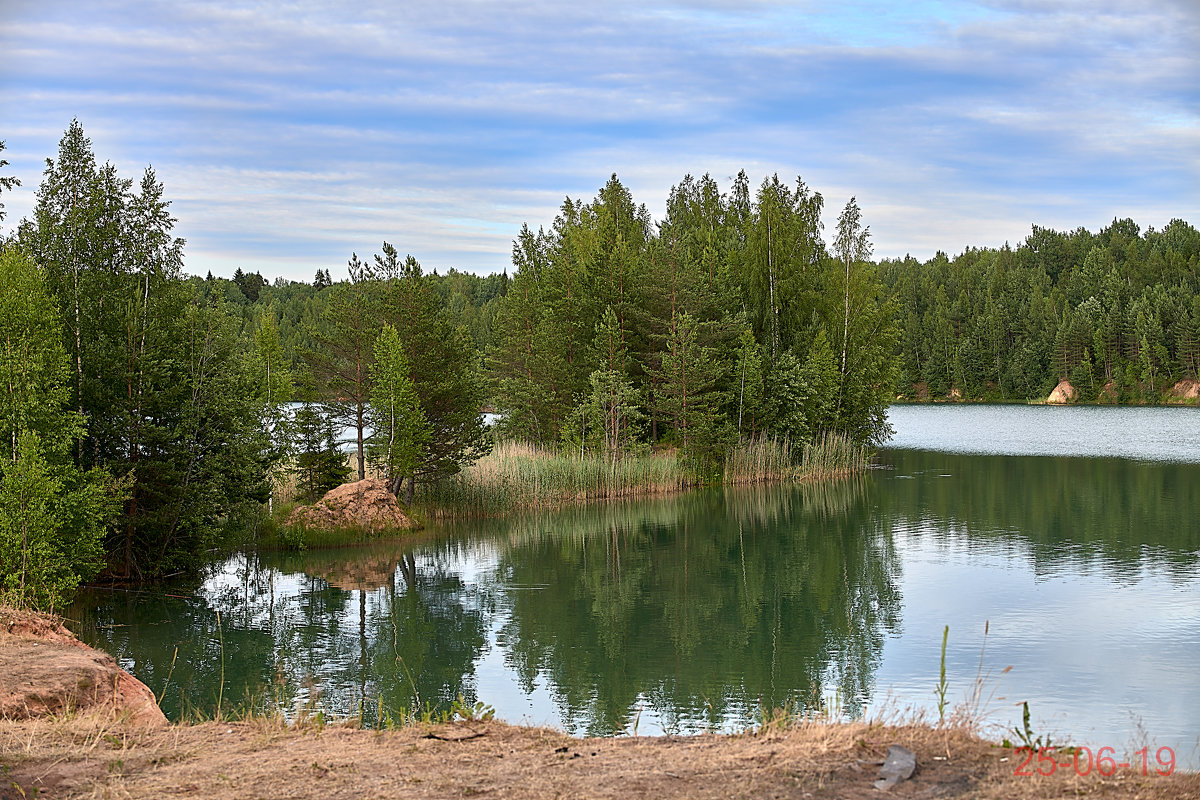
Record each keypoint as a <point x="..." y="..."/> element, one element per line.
<point x="1116" y="313"/>
<point x="146" y="412"/>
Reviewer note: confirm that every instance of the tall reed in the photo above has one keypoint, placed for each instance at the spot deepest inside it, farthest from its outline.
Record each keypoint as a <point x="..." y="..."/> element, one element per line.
<point x="518" y="475"/>
<point x="768" y="459"/>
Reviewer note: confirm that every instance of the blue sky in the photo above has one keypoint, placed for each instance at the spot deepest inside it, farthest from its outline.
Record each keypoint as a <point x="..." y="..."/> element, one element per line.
<point x="291" y="134"/>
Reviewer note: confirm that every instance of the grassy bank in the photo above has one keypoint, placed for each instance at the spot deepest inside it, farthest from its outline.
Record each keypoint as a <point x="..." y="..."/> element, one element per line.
<point x="517" y="476"/>
<point x="254" y="759"/>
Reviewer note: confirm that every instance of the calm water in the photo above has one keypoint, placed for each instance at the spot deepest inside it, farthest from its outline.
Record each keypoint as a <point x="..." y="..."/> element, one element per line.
<point x="691" y="613"/>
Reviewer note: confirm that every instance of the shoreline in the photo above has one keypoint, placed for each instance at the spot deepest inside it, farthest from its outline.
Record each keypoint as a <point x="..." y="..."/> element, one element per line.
<point x="77" y="757"/>
<point x="65" y="751"/>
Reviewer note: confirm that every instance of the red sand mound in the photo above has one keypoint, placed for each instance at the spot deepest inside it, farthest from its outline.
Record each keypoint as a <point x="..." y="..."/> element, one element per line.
<point x="1186" y="389"/>
<point x="1063" y="393"/>
<point x="45" y="670"/>
<point x="367" y="504"/>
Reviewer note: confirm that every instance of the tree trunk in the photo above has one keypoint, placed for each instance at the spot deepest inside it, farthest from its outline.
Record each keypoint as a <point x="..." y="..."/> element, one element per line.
<point x="359" y="425"/>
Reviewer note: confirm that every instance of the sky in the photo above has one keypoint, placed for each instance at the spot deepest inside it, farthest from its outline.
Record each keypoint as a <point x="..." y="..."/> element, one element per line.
<point x="289" y="135"/>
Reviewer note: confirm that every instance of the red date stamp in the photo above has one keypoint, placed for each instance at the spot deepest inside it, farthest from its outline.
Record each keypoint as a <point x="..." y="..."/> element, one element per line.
<point x="1045" y="761"/>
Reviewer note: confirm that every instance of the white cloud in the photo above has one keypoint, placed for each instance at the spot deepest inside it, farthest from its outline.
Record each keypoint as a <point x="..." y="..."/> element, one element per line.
<point x="290" y="134"/>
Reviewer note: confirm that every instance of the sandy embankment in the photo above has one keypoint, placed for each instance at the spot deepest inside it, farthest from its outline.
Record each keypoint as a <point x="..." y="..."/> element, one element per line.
<point x="45" y="670"/>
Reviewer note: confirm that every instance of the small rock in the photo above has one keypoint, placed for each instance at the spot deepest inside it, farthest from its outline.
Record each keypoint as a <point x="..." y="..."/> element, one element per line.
<point x="898" y="766"/>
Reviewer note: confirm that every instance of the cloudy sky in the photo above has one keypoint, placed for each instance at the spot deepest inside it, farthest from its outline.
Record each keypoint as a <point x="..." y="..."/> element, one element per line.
<point x="291" y="134"/>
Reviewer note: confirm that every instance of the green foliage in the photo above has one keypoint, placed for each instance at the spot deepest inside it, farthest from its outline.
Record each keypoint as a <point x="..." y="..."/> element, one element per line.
<point x="52" y="515"/>
<point x="1026" y="736"/>
<point x="717" y="328"/>
<point x="51" y="531"/>
<point x="163" y="379"/>
<point x="748" y="384"/>
<point x="444" y="368"/>
<point x="942" y="686"/>
<point x="319" y="465"/>
<point x="471" y="712"/>
<point x="689" y="394"/>
<point x="7" y="182"/>
<point x="1114" y="312"/>
<point x="343" y="338"/>
<point x="400" y="430"/>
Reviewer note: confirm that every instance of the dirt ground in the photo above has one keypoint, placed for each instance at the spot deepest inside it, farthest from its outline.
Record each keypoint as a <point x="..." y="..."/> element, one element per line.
<point x="46" y="671"/>
<point x="87" y="758"/>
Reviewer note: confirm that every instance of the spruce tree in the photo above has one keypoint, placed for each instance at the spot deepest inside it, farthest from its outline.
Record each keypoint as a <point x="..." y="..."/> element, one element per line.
<point x="401" y="432"/>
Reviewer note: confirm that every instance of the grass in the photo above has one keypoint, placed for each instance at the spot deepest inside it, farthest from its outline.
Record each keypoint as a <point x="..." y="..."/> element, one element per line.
<point x="518" y="476"/>
<point x="276" y="534"/>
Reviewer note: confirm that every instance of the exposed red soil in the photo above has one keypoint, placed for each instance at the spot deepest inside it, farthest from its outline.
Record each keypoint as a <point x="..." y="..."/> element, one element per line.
<point x="367" y="505"/>
<point x="1186" y="389"/>
<point x="45" y="670"/>
<point x="1063" y="393"/>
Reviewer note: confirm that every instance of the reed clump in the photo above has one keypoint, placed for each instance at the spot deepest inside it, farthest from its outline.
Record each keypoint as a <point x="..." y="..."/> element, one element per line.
<point x="518" y="476"/>
<point x="769" y="459"/>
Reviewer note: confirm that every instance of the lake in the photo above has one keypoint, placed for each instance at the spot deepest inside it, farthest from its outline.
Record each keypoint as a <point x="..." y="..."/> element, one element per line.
<point x="696" y="612"/>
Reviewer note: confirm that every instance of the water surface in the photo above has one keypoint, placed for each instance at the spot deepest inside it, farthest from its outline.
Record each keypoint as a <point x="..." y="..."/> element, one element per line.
<point x="695" y="612"/>
<point x="1135" y="432"/>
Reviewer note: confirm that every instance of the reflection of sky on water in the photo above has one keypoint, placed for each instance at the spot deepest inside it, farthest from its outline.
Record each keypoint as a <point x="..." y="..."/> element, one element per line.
<point x="1156" y="434"/>
<point x="1094" y="658"/>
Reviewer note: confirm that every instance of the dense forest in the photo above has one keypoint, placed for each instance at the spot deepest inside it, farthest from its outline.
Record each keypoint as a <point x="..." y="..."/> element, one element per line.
<point x="145" y="410"/>
<point x="730" y="317"/>
<point x="1116" y="313"/>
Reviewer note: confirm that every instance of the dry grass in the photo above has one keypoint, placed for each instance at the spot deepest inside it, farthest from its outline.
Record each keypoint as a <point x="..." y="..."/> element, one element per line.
<point x="518" y="476"/>
<point x="254" y="759"/>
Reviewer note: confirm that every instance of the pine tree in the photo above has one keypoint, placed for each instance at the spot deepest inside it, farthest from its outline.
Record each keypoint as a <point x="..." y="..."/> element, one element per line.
<point x="445" y="369"/>
<point x="608" y="415"/>
<point x="401" y="432"/>
<point x="343" y="351"/>
<point x="320" y="465"/>
<point x="689" y="394"/>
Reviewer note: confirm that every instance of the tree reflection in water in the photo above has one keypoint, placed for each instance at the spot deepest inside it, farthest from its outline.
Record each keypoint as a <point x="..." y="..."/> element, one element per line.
<point x="704" y="607"/>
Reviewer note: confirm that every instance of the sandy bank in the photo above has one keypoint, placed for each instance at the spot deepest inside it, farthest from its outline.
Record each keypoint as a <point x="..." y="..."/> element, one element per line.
<point x="45" y="670"/>
<point x="267" y="759"/>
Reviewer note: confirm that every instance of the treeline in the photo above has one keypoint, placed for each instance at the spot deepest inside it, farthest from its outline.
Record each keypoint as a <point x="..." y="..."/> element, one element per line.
<point x="729" y="319"/>
<point x="470" y="300"/>
<point x="1117" y="314"/>
<point x="143" y="412"/>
